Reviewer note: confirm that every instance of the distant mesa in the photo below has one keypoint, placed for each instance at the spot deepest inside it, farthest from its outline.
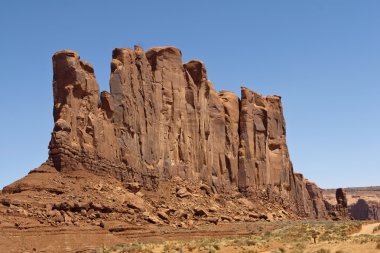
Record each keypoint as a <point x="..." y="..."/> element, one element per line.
<point x="360" y="203"/>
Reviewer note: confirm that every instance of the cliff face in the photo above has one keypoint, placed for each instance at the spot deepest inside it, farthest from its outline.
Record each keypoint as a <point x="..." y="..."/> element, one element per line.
<point x="164" y="119"/>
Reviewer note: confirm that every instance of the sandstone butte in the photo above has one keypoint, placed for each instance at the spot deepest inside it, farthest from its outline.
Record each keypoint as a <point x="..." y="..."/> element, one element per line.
<point x="162" y="147"/>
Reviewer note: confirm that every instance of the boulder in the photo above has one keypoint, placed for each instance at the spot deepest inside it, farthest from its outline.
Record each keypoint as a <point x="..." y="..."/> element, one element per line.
<point x="183" y="193"/>
<point x="162" y="215"/>
<point x="151" y="218"/>
<point x="200" y="212"/>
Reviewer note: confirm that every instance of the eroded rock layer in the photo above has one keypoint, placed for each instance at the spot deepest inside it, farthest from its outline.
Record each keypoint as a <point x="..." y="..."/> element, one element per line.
<point x="164" y="119"/>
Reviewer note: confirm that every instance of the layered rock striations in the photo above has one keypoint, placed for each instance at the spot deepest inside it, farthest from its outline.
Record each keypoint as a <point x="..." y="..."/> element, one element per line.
<point x="164" y="119"/>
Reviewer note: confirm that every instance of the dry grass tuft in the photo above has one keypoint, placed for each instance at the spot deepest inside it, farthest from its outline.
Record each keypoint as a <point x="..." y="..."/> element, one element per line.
<point x="376" y="229"/>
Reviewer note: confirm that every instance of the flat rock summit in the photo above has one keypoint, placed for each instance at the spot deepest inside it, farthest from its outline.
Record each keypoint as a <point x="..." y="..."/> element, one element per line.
<point x="163" y="147"/>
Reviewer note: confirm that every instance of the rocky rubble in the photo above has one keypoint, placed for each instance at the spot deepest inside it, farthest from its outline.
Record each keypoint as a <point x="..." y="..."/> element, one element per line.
<point x="162" y="147"/>
<point x="84" y="199"/>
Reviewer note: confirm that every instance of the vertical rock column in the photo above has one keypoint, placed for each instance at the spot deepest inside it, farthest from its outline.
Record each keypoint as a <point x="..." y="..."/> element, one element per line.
<point x="83" y="131"/>
<point x="131" y="89"/>
<point x="264" y="162"/>
<point x="75" y="107"/>
<point x="169" y="78"/>
<point x="231" y="112"/>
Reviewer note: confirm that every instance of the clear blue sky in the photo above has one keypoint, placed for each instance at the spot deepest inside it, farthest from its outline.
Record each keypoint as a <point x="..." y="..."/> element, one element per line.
<point x="322" y="57"/>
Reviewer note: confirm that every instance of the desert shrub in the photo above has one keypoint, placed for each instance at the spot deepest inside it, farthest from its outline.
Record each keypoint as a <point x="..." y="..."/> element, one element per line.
<point x="127" y="248"/>
<point x="216" y="246"/>
<point x="322" y="251"/>
<point x="299" y="248"/>
<point x="250" y="242"/>
<point x="166" y="248"/>
<point x="280" y="250"/>
<point x="378" y="245"/>
<point x="178" y="249"/>
<point x="191" y="248"/>
<point x="244" y="241"/>
<point x="267" y="234"/>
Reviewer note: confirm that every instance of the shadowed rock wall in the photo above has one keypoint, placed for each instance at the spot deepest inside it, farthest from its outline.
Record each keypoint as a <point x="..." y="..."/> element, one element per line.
<point x="363" y="210"/>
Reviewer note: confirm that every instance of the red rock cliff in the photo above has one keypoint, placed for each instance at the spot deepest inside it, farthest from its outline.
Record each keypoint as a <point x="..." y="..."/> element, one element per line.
<point x="163" y="118"/>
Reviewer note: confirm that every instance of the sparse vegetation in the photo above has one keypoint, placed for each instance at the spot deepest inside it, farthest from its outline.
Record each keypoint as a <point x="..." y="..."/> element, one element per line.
<point x="292" y="237"/>
<point x="322" y="251"/>
<point x="376" y="229"/>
